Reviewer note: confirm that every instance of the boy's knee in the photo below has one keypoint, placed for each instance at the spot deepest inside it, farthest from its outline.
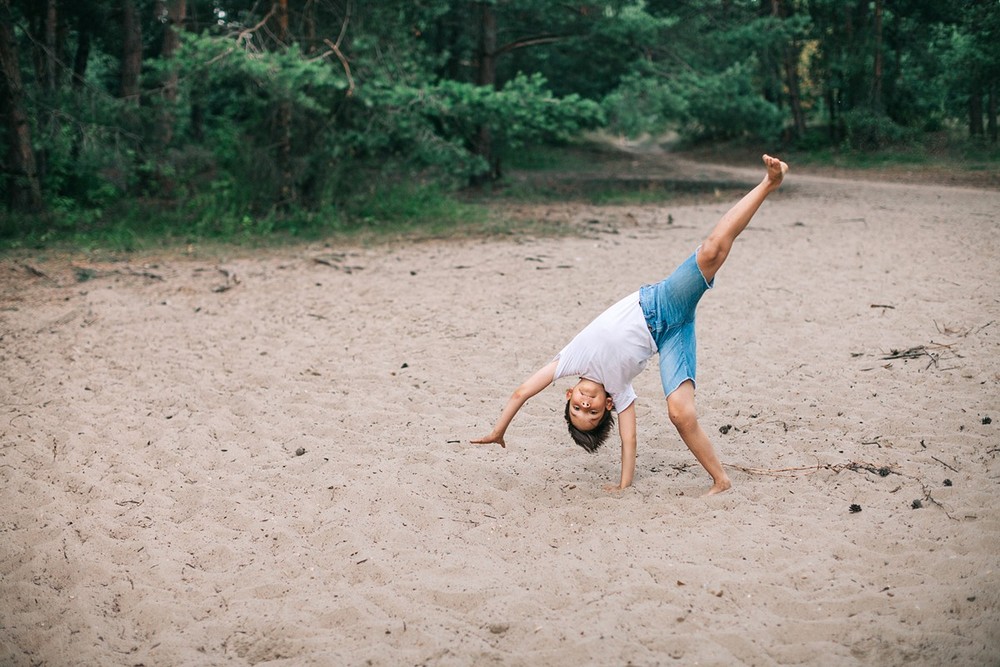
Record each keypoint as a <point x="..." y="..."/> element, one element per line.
<point x="682" y="413"/>
<point x="713" y="252"/>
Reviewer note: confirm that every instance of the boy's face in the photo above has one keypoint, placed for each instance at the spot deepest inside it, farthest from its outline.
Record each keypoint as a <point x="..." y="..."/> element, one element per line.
<point x="587" y="404"/>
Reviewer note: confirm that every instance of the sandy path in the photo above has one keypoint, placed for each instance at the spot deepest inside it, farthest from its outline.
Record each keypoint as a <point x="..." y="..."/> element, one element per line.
<point x="156" y="510"/>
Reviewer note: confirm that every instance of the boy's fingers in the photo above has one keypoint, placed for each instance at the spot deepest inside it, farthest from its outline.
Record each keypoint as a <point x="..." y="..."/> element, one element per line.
<point x="486" y="441"/>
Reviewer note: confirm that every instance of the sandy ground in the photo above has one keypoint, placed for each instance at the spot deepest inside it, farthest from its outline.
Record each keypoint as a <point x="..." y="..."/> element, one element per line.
<point x="264" y="460"/>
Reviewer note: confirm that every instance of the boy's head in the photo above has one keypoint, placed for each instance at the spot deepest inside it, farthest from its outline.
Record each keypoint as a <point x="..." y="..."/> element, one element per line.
<point x="588" y="414"/>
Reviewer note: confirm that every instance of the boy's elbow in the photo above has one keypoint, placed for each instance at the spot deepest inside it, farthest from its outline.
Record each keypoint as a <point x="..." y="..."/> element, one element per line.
<point x="521" y="394"/>
<point x="524" y="392"/>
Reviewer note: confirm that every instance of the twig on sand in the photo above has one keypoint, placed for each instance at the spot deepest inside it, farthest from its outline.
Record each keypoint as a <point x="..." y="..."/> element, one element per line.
<point x="809" y="470"/>
<point x="38" y="273"/>
<point x="909" y="353"/>
<point x="933" y="353"/>
<point x="882" y="471"/>
<point x="944" y="464"/>
<point x="232" y="280"/>
<point x="990" y="323"/>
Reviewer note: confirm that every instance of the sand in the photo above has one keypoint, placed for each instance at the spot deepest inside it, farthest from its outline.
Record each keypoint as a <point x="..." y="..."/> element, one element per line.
<point x="264" y="459"/>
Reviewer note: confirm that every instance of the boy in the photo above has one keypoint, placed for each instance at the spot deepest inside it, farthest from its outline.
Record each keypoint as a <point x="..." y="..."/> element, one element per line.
<point x="614" y="348"/>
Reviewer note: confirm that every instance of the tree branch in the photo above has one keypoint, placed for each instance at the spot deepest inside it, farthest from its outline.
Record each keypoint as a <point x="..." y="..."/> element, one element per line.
<point x="343" y="26"/>
<point x="242" y="37"/>
<point x="527" y="41"/>
<point x="343" y="61"/>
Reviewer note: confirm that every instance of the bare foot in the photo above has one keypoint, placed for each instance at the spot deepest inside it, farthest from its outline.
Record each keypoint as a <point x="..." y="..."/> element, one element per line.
<point x="776" y="170"/>
<point x="719" y="486"/>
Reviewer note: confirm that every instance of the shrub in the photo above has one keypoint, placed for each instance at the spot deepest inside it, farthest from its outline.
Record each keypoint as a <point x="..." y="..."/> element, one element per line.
<point x="867" y="130"/>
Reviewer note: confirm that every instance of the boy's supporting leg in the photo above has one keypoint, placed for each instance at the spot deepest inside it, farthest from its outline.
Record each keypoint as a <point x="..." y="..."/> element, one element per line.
<point x="680" y="407"/>
<point x="719" y="242"/>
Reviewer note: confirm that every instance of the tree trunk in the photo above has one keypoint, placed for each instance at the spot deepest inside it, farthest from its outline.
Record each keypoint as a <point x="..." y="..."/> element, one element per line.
<point x="486" y="75"/>
<point x="836" y="129"/>
<point x="976" y="111"/>
<point x="51" y="29"/>
<point x="175" y="11"/>
<point x="281" y="16"/>
<point x="283" y="118"/>
<point x="24" y="190"/>
<point x="991" y="112"/>
<point x="794" y="91"/>
<point x="790" y="55"/>
<point x="131" y="52"/>
<point x="877" y="104"/>
<point x="80" y="58"/>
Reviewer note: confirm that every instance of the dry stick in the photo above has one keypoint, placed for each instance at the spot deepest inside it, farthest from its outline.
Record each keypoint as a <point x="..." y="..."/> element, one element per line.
<point x="38" y="273"/>
<point x="806" y="470"/>
<point x="837" y="467"/>
<point x="944" y="464"/>
<point x="777" y="472"/>
<point x="911" y="353"/>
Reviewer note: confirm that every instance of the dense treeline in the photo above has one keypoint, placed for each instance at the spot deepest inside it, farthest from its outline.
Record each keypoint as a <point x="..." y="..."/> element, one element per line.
<point x="220" y="113"/>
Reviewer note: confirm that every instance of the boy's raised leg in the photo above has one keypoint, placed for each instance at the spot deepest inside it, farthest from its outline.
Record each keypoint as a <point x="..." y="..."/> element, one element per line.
<point x="719" y="242"/>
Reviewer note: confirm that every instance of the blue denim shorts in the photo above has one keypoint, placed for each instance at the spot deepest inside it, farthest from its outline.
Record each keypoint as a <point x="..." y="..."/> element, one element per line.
<point x="669" y="308"/>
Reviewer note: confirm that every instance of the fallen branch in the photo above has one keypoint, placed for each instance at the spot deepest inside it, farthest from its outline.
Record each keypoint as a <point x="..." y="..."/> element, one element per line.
<point x="909" y="353"/>
<point x="883" y="471"/>
<point x="944" y="464"/>
<point x="38" y="273"/>
<point x="933" y="353"/>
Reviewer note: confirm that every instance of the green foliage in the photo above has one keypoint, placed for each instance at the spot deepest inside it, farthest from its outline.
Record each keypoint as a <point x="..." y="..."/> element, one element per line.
<point x="702" y="106"/>
<point x="725" y="106"/>
<point x="522" y="112"/>
<point x="350" y="114"/>
<point x="409" y="205"/>
<point x="869" y="131"/>
<point x="645" y="105"/>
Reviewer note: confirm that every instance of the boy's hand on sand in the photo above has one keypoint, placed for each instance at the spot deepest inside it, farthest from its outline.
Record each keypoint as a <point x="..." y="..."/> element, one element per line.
<point x="489" y="440"/>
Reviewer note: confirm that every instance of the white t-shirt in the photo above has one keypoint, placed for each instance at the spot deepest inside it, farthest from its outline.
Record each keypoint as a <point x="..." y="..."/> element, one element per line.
<point x="612" y="350"/>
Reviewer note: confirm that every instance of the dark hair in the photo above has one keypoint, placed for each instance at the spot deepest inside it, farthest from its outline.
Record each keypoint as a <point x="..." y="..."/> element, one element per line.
<point x="591" y="440"/>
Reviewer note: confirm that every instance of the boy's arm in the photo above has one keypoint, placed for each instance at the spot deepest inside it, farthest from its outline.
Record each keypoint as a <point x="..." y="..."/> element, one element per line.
<point x="627" y="431"/>
<point x="541" y="379"/>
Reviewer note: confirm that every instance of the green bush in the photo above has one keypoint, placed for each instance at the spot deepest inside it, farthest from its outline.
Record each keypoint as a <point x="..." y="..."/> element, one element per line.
<point x="867" y="131"/>
<point x="728" y="106"/>
<point x="644" y="105"/>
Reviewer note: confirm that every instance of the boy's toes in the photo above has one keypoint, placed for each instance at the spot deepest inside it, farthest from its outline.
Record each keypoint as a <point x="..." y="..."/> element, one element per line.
<point x="775" y="167"/>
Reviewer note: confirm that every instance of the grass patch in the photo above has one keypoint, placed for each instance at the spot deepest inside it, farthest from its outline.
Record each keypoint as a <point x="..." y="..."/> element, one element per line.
<point x="940" y="150"/>
<point x="578" y="158"/>
<point x="402" y="210"/>
<point x="613" y="191"/>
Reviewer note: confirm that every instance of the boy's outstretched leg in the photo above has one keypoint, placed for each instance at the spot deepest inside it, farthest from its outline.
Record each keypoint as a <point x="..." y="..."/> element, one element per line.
<point x="719" y="242"/>
<point x="680" y="407"/>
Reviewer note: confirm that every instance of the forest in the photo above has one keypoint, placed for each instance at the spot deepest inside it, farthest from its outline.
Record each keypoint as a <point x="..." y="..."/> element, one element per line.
<point x="205" y="118"/>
